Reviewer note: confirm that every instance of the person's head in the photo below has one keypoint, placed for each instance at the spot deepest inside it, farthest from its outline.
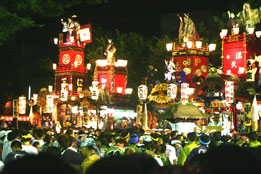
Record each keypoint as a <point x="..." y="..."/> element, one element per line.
<point x="86" y="150"/>
<point x="162" y="148"/>
<point x="48" y="139"/>
<point x="36" y="144"/>
<point x="204" y="139"/>
<point x="26" y="137"/>
<point x="253" y="136"/>
<point x="42" y="164"/>
<point x="63" y="141"/>
<point x="192" y="136"/>
<point x="134" y="139"/>
<point x="228" y="159"/>
<point x="52" y="150"/>
<point x="16" y="146"/>
<point x="136" y="163"/>
<point x="12" y="135"/>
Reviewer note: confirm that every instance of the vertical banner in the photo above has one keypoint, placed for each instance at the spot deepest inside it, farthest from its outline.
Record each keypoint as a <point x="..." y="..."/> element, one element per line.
<point x="172" y="91"/>
<point x="49" y="103"/>
<point x="94" y="90"/>
<point x="184" y="92"/>
<point x="22" y="105"/>
<point x="234" y="58"/>
<point x="142" y="92"/>
<point x="250" y="70"/>
<point x="64" y="91"/>
<point x="15" y="108"/>
<point x="229" y="91"/>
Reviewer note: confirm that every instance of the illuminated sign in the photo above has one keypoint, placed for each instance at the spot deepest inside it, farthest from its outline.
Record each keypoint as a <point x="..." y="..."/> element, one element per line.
<point x="142" y="92"/>
<point x="49" y="103"/>
<point x="22" y="105"/>
<point x="184" y="92"/>
<point x="172" y="91"/>
<point x="229" y="91"/>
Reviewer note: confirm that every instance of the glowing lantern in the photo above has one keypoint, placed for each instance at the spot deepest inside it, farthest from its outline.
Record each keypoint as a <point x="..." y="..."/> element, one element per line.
<point x="64" y="91"/>
<point x="250" y="30"/>
<point x="121" y="63"/>
<point x="142" y="92"/>
<point x="198" y="44"/>
<point x="229" y="91"/>
<point x="189" y="44"/>
<point x="236" y="30"/>
<point x="35" y="96"/>
<point x="224" y="32"/>
<point x="239" y="106"/>
<point x="169" y="46"/>
<point x="101" y="62"/>
<point x="119" y="89"/>
<point x="128" y="91"/>
<point x="172" y="91"/>
<point x="258" y="34"/>
<point x="50" y="88"/>
<point x="89" y="66"/>
<point x="49" y="103"/>
<point x="54" y="66"/>
<point x="184" y="92"/>
<point x="55" y="40"/>
<point x="22" y="105"/>
<point x="221" y="35"/>
<point x="94" y="90"/>
<point x="212" y="47"/>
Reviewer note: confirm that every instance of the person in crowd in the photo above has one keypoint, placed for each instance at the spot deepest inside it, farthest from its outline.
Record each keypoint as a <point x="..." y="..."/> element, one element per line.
<point x="116" y="149"/>
<point x="228" y="159"/>
<point x="11" y="136"/>
<point x="48" y="141"/>
<point x="161" y="154"/>
<point x="69" y="155"/>
<point x="151" y="150"/>
<point x="192" y="137"/>
<point x="170" y="150"/>
<point x="253" y="140"/>
<point x="88" y="151"/>
<point x="133" y="141"/>
<point x="204" y="140"/>
<point x="26" y="140"/>
<point x="41" y="164"/>
<point x="136" y="163"/>
<point x="38" y="135"/>
<point x="16" y="153"/>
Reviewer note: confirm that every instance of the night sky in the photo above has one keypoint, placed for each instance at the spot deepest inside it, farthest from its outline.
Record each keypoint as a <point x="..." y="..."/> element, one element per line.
<point x="142" y="16"/>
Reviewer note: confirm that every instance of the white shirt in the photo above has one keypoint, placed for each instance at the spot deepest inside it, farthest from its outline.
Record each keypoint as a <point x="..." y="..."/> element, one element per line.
<point x="171" y="153"/>
<point x="30" y="149"/>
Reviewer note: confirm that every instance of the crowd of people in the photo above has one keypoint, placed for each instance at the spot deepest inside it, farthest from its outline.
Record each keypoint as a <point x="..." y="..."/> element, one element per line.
<point x="43" y="150"/>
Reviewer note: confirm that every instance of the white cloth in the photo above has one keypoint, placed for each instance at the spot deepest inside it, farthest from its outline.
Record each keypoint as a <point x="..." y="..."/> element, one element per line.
<point x="41" y="142"/>
<point x="171" y="153"/>
<point x="159" y="161"/>
<point x="6" y="149"/>
<point x="30" y="149"/>
<point x="2" y="165"/>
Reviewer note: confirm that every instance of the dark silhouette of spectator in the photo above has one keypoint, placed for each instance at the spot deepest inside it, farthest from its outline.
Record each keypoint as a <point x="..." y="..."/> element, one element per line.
<point x="41" y="164"/>
<point x="137" y="163"/>
<point x="16" y="153"/>
<point x="227" y="159"/>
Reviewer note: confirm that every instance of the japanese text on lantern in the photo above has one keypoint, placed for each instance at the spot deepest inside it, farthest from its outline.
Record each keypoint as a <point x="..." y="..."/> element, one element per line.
<point x="142" y="92"/>
<point x="49" y="103"/>
<point x="22" y="105"/>
<point x="250" y="70"/>
<point x="172" y="91"/>
<point x="229" y="91"/>
<point x="184" y="92"/>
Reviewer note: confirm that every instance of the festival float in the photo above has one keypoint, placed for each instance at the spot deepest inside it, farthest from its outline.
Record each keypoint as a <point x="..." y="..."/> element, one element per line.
<point x="229" y="95"/>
